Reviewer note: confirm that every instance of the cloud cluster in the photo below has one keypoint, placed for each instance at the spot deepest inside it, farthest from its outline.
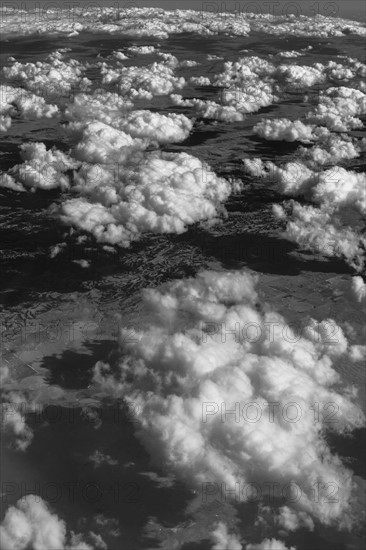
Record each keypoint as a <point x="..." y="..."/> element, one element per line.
<point x="335" y="227"/>
<point x="223" y="540"/>
<point x="327" y="230"/>
<point x="41" y="169"/>
<point x="191" y="384"/>
<point x="247" y="83"/>
<point x="13" y="408"/>
<point x="154" y="192"/>
<point x="17" y="101"/>
<point x="331" y="149"/>
<point x="209" y="109"/>
<point x="51" y="78"/>
<point x="141" y="50"/>
<point x="283" y="129"/>
<point x="142" y="22"/>
<point x="144" y="82"/>
<point x="359" y="289"/>
<point x="339" y="108"/>
<point x="269" y="544"/>
<point x="31" y="524"/>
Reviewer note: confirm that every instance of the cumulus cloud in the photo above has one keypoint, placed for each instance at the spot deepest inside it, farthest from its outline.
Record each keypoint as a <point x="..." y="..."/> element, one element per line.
<point x="115" y="114"/>
<point x="53" y="78"/>
<point x="144" y="82"/>
<point x="290" y="53"/>
<point x="141" y="50"/>
<point x="247" y="83"/>
<point x="331" y="149"/>
<point x="156" y="192"/>
<point x="200" y="81"/>
<point x="286" y="130"/>
<point x="335" y="228"/>
<point x="326" y="231"/>
<point x="339" y="108"/>
<point x="98" y="459"/>
<point x="359" y="289"/>
<point x="269" y="544"/>
<point x="13" y="422"/>
<point x="298" y="77"/>
<point x="41" y="169"/>
<point x="13" y="407"/>
<point x="208" y="109"/>
<point x="144" y="22"/>
<point x="186" y="373"/>
<point x="14" y="101"/>
<point x="223" y="540"/>
<point x="31" y="524"/>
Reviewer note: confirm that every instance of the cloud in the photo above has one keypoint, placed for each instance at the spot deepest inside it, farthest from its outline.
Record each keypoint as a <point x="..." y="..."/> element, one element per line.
<point x="208" y="109"/>
<point x="31" y="524"/>
<point x="335" y="227"/>
<point x="322" y="230"/>
<point x="202" y="355"/>
<point x="53" y="78"/>
<point x="269" y="544"/>
<point x="200" y="81"/>
<point x="144" y="22"/>
<point x="98" y="458"/>
<point x="338" y="109"/>
<point x="14" y="408"/>
<point x="144" y="82"/>
<point x="15" y="101"/>
<point x="141" y="50"/>
<point x="156" y="192"/>
<point x="223" y="540"/>
<point x="116" y="115"/>
<point x="41" y="169"/>
<point x="285" y="130"/>
<point x="359" y="289"/>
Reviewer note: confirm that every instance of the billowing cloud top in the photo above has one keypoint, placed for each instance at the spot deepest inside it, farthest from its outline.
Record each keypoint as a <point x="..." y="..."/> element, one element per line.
<point x="156" y="22"/>
<point x="207" y="362"/>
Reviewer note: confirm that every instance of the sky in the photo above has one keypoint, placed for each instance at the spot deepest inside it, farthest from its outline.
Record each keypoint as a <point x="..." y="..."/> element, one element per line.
<point x="349" y="9"/>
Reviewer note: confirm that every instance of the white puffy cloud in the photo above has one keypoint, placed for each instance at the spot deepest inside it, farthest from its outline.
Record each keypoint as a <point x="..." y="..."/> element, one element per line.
<point x="120" y="55"/>
<point x="156" y="192"/>
<point x="335" y="227"/>
<point x="286" y="130"/>
<point x="141" y="50"/>
<point x="298" y="77"/>
<point x="223" y="540"/>
<point x="116" y="115"/>
<point x="31" y="524"/>
<point x="200" y="81"/>
<point x="269" y="544"/>
<point x="248" y="84"/>
<point x="359" y="289"/>
<point x="323" y="230"/>
<point x="289" y="53"/>
<point x="144" y="22"/>
<point x="144" y="82"/>
<point x="28" y="105"/>
<point x="331" y="149"/>
<point x="185" y="369"/>
<point x="53" y="78"/>
<point x="13" y="422"/>
<point x="208" y="109"/>
<point x="338" y="109"/>
<point x="101" y="143"/>
<point x="169" y="128"/>
<point x="41" y="169"/>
